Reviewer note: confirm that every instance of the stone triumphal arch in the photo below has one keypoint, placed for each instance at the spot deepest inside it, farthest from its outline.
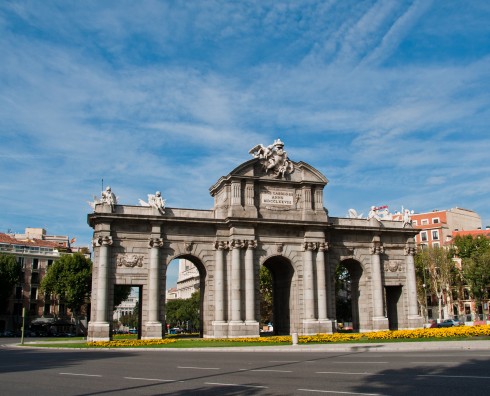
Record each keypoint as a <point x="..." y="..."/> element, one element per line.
<point x="269" y="211"/>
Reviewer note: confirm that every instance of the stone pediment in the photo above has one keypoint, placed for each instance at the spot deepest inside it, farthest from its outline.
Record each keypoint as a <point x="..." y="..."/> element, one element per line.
<point x="251" y="191"/>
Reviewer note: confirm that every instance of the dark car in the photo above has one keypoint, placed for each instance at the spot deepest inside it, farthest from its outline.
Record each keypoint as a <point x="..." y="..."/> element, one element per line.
<point x="450" y="323"/>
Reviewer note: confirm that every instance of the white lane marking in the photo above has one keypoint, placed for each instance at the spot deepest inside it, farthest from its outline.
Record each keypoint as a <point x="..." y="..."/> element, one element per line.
<point x="198" y="368"/>
<point x="437" y="363"/>
<point x="283" y="361"/>
<point x="151" y="379"/>
<point x="239" y="385"/>
<point x="268" y="370"/>
<point x="82" y="375"/>
<point x="453" y="376"/>
<point x="342" y="372"/>
<point x="356" y="362"/>
<point x="339" y="392"/>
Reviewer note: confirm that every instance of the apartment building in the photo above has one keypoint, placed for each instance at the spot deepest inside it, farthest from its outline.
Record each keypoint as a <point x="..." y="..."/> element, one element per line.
<point x="437" y="227"/>
<point x="36" y="251"/>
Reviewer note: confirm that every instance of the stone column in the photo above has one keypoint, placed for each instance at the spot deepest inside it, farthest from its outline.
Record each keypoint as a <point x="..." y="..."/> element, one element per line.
<point x="250" y="282"/>
<point x="380" y="322"/>
<point x="308" y="281"/>
<point x="236" y="288"/>
<point x="154" y="325"/>
<point x="413" y="312"/>
<point x="103" y="278"/>
<point x="219" y="289"/>
<point x="320" y="278"/>
<point x="99" y="328"/>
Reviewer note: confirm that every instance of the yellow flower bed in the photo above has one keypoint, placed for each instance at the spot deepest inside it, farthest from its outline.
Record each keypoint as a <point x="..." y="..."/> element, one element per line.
<point x="448" y="332"/>
<point x="130" y="343"/>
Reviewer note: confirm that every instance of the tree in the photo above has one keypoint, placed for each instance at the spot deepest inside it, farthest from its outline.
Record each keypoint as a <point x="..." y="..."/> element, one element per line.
<point x="440" y="271"/>
<point x="121" y="293"/>
<point x="266" y="303"/>
<point x="70" y="279"/>
<point x="131" y="320"/>
<point x="474" y="253"/>
<point x="184" y="313"/>
<point x="10" y="271"/>
<point x="476" y="273"/>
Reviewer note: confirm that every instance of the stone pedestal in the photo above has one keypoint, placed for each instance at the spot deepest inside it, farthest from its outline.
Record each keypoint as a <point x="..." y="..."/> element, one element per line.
<point x="380" y="323"/>
<point x="220" y="329"/>
<point x="415" y="321"/>
<point x="326" y="326"/>
<point x="152" y="330"/>
<point x="99" y="331"/>
<point x="311" y="326"/>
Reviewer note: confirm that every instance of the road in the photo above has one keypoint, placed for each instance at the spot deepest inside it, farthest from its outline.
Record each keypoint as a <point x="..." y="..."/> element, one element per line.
<point x="29" y="371"/>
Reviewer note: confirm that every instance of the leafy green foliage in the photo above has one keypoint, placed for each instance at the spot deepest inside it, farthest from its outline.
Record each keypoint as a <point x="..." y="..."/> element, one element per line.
<point x="10" y="272"/>
<point x="121" y="293"/>
<point x="438" y="271"/>
<point x="181" y="312"/>
<point x="70" y="278"/>
<point x="474" y="253"/>
<point x="266" y="303"/>
<point x="131" y="320"/>
<point x="468" y="246"/>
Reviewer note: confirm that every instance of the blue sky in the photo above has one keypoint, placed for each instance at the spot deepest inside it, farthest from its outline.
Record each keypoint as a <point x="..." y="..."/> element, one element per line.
<point x="390" y="100"/>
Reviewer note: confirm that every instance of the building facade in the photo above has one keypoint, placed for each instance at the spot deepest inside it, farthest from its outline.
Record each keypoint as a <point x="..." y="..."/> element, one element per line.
<point x="35" y="251"/>
<point x="436" y="227"/>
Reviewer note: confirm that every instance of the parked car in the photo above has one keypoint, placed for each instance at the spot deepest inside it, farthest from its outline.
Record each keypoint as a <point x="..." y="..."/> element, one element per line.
<point x="450" y="323"/>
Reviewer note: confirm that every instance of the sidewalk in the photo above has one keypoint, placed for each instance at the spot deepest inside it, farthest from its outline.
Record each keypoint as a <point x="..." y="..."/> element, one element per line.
<point x="372" y="347"/>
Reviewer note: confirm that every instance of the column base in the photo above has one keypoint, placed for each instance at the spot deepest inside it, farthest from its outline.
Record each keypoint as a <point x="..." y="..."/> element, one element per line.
<point x="98" y="331"/>
<point x="326" y="326"/>
<point x="220" y="329"/>
<point x="380" y="323"/>
<point x="415" y="321"/>
<point x="311" y="326"/>
<point x="152" y="330"/>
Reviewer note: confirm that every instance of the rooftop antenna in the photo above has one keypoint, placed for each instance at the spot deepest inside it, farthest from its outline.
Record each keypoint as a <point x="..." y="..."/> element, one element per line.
<point x="102" y="184"/>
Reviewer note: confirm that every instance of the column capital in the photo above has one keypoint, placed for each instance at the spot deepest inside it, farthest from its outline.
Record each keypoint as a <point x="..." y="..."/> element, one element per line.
<point x="323" y="247"/>
<point x="251" y="244"/>
<point x="377" y="248"/>
<point x="155" y="243"/>
<point x="102" y="241"/>
<point x="410" y="250"/>
<point x="310" y="246"/>
<point x="221" y="245"/>
<point x="237" y="244"/>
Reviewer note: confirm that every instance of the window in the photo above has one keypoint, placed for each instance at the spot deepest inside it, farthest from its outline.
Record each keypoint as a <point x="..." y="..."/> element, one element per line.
<point x="62" y="309"/>
<point x="435" y="235"/>
<point x="50" y="262"/>
<point x="435" y="220"/>
<point x="20" y="260"/>
<point x="33" y="309"/>
<point x="424" y="222"/>
<point x="466" y="295"/>
<point x="414" y="222"/>
<point x="18" y="309"/>
<point x="18" y="293"/>
<point x="33" y="293"/>
<point x="35" y="264"/>
<point x="423" y="236"/>
<point x="35" y="278"/>
<point x="47" y="309"/>
<point x="435" y="244"/>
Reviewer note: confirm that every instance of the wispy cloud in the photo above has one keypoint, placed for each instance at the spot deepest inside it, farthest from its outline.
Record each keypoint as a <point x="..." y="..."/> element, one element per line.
<point x="171" y="96"/>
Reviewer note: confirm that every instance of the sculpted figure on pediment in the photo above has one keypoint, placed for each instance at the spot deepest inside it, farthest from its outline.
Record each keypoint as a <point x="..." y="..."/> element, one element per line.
<point x="274" y="159"/>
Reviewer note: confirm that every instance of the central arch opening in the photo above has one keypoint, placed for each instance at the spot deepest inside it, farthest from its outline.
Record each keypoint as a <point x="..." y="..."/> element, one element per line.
<point x="281" y="272"/>
<point x="348" y="274"/>
<point x="185" y="290"/>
